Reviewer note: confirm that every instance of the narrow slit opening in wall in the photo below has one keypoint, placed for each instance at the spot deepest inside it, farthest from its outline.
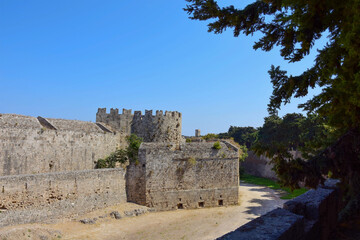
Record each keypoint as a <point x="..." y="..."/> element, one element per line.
<point x="221" y="202"/>
<point x="201" y="204"/>
<point x="180" y="206"/>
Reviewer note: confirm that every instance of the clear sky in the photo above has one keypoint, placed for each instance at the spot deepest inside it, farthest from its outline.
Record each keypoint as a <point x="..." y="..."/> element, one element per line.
<point x="64" y="59"/>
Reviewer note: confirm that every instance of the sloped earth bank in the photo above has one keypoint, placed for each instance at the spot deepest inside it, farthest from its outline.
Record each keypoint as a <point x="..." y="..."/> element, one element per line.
<point x="206" y="223"/>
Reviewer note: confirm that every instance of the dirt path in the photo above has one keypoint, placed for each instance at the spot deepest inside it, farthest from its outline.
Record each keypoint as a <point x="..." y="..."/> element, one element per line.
<point x="207" y="223"/>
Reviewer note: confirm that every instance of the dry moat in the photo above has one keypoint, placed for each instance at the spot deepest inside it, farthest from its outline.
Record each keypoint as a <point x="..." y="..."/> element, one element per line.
<point x="207" y="223"/>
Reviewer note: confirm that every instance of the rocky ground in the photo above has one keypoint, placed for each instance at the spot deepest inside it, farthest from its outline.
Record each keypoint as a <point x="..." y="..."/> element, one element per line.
<point x="131" y="221"/>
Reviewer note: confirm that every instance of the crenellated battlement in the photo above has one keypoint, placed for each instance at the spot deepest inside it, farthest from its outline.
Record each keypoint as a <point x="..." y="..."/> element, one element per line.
<point x="159" y="127"/>
<point x="128" y="112"/>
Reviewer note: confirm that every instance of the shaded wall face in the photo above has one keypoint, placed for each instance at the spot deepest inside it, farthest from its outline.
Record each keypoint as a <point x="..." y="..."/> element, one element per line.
<point x="193" y="176"/>
<point x="261" y="166"/>
<point x="26" y="147"/>
<point x="258" y="166"/>
<point x="136" y="179"/>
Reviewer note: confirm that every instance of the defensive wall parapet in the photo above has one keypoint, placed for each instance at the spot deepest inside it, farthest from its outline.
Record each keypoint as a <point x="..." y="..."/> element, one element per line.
<point x="47" y="196"/>
<point x="311" y="216"/>
<point x="30" y="145"/>
<point x="152" y="128"/>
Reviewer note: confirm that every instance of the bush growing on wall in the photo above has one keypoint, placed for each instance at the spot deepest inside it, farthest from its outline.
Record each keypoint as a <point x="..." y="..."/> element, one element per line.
<point x="217" y="145"/>
<point x="210" y="136"/>
<point x="130" y="154"/>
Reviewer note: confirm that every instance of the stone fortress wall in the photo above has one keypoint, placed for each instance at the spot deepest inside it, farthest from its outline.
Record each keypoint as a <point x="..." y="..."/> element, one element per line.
<point x="258" y="166"/>
<point x="152" y="128"/>
<point x="47" y="166"/>
<point x="43" y="197"/>
<point x="30" y="145"/>
<point x="262" y="166"/>
<point x="193" y="175"/>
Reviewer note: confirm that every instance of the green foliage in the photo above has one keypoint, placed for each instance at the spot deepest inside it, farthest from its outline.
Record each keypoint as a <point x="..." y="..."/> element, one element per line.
<point x="242" y="135"/>
<point x="278" y="137"/>
<point x="217" y="145"/>
<point x="122" y="155"/>
<point x="188" y="140"/>
<point x="294" y="26"/>
<point x="133" y="148"/>
<point x="272" y="184"/>
<point x="119" y="156"/>
<point x="244" y="153"/>
<point x="210" y="136"/>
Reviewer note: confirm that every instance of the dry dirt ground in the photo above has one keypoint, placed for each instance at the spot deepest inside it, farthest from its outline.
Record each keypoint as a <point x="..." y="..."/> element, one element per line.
<point x="206" y="223"/>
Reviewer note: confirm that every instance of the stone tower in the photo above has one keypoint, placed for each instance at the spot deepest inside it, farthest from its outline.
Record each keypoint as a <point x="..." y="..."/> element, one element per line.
<point x="197" y="133"/>
<point x="152" y="128"/>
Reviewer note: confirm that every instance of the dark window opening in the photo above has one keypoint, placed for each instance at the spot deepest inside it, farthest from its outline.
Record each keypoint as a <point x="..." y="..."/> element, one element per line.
<point x="180" y="206"/>
<point x="200" y="198"/>
<point x="201" y="204"/>
<point x="221" y="196"/>
<point x="221" y="202"/>
<point x="179" y="199"/>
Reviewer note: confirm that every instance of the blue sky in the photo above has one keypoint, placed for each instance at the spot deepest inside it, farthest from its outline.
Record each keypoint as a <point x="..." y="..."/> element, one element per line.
<point x="64" y="59"/>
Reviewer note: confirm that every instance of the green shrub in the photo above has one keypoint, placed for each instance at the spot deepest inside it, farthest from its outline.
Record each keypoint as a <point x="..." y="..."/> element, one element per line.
<point x="217" y="145"/>
<point x="188" y="140"/>
<point x="122" y="155"/>
<point x="210" y="136"/>
<point x="243" y="153"/>
<point x="101" y="163"/>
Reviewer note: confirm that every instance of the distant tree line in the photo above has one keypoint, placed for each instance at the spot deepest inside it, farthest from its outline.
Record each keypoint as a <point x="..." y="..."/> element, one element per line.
<point x="279" y="137"/>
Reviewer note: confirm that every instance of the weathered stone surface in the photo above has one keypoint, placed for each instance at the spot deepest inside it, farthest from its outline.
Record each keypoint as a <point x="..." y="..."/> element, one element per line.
<point x="88" y="221"/>
<point x="115" y="214"/>
<point x="310" y="204"/>
<point x="261" y="166"/>
<point x="152" y="128"/>
<point x="278" y="224"/>
<point x="135" y="212"/>
<point x="317" y="209"/>
<point x="42" y="197"/>
<point x="189" y="175"/>
<point x="258" y="166"/>
<point x="28" y="147"/>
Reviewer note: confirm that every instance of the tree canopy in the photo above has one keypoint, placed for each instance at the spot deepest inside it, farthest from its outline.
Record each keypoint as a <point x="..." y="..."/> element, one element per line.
<point x="242" y="135"/>
<point x="291" y="137"/>
<point x="294" y="26"/>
